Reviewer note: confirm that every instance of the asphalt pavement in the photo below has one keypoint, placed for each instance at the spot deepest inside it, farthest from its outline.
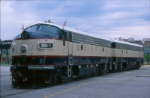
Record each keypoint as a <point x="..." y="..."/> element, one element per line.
<point x="126" y="84"/>
<point x="4" y="70"/>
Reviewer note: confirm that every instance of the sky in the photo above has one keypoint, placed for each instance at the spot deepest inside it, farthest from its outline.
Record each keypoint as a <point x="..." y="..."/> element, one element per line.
<point x="103" y="18"/>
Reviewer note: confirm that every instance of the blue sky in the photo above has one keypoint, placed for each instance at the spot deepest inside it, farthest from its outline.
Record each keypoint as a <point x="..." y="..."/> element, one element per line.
<point x="104" y="18"/>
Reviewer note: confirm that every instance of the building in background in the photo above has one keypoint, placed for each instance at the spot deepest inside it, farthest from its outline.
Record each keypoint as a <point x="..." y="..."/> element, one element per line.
<point x="146" y="39"/>
<point x="146" y="43"/>
<point x="130" y="39"/>
<point x="140" y="42"/>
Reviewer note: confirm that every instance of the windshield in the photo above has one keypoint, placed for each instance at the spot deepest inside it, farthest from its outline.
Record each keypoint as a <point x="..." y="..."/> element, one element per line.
<point x="49" y="30"/>
<point x="43" y="31"/>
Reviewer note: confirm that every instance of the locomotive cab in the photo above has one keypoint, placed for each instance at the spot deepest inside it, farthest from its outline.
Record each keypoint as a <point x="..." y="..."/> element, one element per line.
<point x="36" y="52"/>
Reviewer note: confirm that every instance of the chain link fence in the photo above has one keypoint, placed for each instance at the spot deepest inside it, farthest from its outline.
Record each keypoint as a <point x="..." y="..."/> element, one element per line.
<point x="5" y="57"/>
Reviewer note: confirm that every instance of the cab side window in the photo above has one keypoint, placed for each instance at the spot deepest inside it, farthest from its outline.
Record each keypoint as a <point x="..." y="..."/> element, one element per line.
<point x="32" y="28"/>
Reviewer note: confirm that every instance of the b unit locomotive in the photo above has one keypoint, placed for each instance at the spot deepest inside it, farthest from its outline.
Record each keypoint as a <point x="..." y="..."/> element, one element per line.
<point x="46" y="53"/>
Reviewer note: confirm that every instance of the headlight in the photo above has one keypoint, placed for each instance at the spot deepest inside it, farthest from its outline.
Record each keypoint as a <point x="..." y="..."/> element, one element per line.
<point x="23" y="49"/>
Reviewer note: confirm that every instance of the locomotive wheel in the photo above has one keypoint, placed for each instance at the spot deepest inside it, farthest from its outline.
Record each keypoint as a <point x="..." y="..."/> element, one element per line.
<point x="103" y="72"/>
<point x="119" y="68"/>
<point x="50" y="80"/>
<point x="34" y="84"/>
<point x="96" y="72"/>
<point x="13" y="83"/>
<point x="18" y="83"/>
<point x="59" y="80"/>
<point x="137" y="66"/>
<point x="37" y="82"/>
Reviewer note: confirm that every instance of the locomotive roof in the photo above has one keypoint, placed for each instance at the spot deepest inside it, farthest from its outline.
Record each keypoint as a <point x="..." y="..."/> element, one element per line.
<point x="127" y="43"/>
<point x="70" y="29"/>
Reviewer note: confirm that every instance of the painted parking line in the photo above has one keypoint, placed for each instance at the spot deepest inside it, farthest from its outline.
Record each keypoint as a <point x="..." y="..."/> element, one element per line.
<point x="72" y="88"/>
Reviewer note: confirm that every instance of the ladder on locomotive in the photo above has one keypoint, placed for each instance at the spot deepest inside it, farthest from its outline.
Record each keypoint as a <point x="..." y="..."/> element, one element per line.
<point x="70" y="53"/>
<point x="121" y="58"/>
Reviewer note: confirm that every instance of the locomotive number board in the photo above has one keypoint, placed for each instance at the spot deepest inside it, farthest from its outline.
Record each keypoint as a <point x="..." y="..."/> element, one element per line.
<point x="45" y="45"/>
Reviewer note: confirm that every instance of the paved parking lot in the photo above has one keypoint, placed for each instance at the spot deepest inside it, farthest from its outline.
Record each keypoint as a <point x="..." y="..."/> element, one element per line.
<point x="126" y="84"/>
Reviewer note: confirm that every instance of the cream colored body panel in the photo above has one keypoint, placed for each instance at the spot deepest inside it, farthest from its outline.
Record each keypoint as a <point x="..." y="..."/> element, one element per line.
<point x="74" y="49"/>
<point x="33" y="50"/>
<point x="58" y="48"/>
<point x="126" y="53"/>
<point x="90" y="50"/>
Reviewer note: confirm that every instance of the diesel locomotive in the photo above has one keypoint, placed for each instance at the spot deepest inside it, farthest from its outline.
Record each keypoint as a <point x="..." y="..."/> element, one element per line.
<point x="46" y="53"/>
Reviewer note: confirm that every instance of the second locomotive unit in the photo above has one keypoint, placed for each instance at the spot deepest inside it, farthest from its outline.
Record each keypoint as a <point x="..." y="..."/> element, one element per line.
<point x="46" y="53"/>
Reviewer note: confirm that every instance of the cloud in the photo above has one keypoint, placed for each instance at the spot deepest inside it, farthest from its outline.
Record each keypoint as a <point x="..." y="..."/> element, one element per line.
<point x="122" y="5"/>
<point x="12" y="19"/>
<point x="133" y="30"/>
<point x="103" y="18"/>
